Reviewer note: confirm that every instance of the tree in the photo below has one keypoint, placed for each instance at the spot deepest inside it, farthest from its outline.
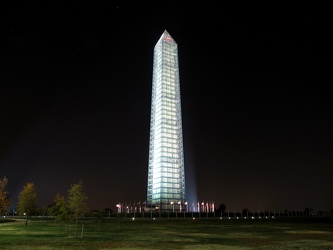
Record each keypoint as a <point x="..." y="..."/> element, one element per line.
<point x="60" y="209"/>
<point x="27" y="200"/>
<point x="309" y="211"/>
<point x="98" y="214"/>
<point x="221" y="208"/>
<point x="245" y="212"/>
<point x="77" y="201"/>
<point x="107" y="212"/>
<point x="4" y="201"/>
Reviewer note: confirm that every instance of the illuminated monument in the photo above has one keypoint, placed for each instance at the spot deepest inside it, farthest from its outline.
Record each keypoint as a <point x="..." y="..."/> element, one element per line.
<point x="166" y="176"/>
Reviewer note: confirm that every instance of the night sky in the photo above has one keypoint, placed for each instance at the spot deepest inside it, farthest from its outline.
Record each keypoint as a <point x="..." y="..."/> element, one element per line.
<point x="75" y="97"/>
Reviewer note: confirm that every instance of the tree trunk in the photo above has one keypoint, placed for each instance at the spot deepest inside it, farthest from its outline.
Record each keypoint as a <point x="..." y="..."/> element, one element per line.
<point x="76" y="223"/>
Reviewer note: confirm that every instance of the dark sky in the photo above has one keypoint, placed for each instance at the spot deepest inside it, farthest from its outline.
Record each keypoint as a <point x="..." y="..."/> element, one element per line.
<point x="256" y="102"/>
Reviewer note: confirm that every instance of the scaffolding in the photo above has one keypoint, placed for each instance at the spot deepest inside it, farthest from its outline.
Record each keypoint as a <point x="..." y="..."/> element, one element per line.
<point x="166" y="176"/>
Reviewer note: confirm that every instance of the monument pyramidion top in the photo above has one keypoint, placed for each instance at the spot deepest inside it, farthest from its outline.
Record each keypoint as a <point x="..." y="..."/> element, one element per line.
<point x="166" y="37"/>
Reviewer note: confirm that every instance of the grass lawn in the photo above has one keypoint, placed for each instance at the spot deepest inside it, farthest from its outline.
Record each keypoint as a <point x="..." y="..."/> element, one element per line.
<point x="171" y="234"/>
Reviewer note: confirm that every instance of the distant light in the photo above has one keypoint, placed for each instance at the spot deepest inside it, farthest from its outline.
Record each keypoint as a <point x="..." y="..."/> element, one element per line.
<point x="154" y="218"/>
<point x="252" y="217"/>
<point x="220" y="218"/>
<point x="193" y="218"/>
<point x="133" y="218"/>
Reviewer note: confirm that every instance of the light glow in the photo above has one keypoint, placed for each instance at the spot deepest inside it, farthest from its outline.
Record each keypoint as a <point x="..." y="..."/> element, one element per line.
<point x="166" y="176"/>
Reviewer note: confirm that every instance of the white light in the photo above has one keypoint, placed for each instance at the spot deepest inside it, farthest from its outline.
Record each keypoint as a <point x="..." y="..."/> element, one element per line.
<point x="166" y="129"/>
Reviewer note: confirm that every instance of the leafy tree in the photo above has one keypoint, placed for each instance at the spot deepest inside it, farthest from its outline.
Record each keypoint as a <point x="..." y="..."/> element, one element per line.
<point x="107" y="212"/>
<point x="245" y="212"/>
<point x="27" y="200"/>
<point x="221" y="208"/>
<point x="60" y="209"/>
<point x="77" y="202"/>
<point x="50" y="208"/>
<point x="4" y="201"/>
<point x="98" y="215"/>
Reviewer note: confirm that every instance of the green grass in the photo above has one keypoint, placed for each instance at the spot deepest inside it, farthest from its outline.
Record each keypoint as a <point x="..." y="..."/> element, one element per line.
<point x="170" y="234"/>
